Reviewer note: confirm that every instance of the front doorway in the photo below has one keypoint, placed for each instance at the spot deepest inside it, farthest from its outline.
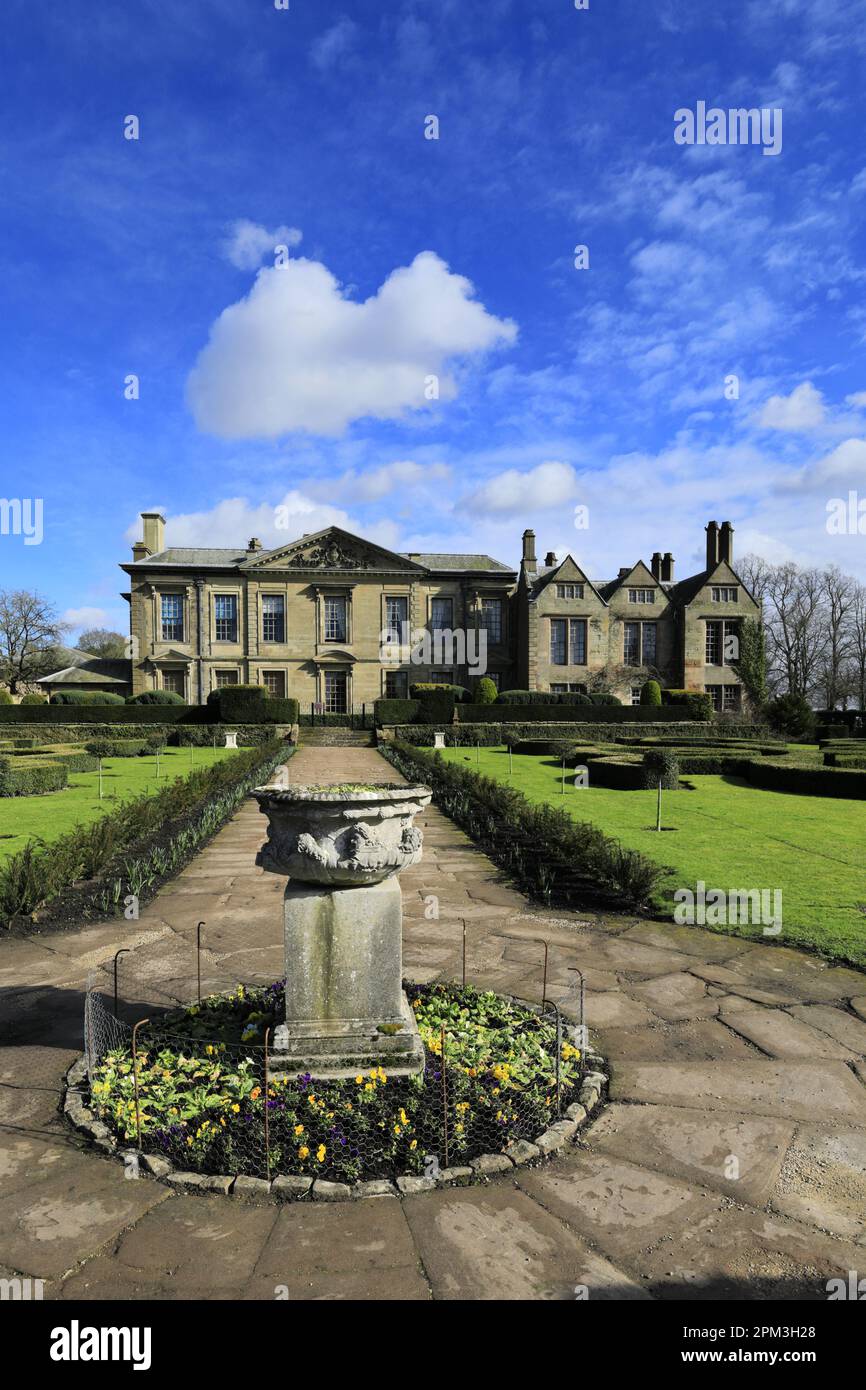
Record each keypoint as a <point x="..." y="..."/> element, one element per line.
<point x="336" y="692"/>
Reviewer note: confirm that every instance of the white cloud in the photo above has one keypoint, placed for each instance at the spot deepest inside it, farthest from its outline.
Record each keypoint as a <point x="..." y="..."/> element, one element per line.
<point x="233" y="521"/>
<point x="297" y="354"/>
<point x="390" y="479"/>
<point x="334" y="44"/>
<point x="803" y="410"/>
<point x="87" y="617"/>
<point x="249" y="242"/>
<point x="512" y="492"/>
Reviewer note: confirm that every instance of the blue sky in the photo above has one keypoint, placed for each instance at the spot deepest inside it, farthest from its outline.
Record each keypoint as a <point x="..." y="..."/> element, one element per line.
<point x="303" y="385"/>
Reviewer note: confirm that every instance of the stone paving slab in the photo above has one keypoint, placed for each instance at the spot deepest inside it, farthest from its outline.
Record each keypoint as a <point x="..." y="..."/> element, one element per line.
<point x="698" y="1147"/>
<point x="846" y="1028"/>
<point x="619" y="1206"/>
<point x="497" y="1244"/>
<point x="47" y="1229"/>
<point x="703" y="1041"/>
<point x="743" y="1253"/>
<point x="789" y="1089"/>
<point x="779" y="1035"/>
<point x="208" y="1242"/>
<point x="823" y="1181"/>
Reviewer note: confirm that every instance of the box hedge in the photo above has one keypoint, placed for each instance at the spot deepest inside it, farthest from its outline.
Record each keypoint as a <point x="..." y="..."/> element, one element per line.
<point x="271" y="711"/>
<point x="18" y="778"/>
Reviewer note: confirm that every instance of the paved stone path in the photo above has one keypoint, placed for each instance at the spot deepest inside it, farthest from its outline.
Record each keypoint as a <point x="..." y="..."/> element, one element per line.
<point x="729" y="1163"/>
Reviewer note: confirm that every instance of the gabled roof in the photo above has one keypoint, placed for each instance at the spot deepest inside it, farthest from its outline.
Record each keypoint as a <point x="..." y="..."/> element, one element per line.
<point x="640" y="576"/>
<point x="546" y="574"/>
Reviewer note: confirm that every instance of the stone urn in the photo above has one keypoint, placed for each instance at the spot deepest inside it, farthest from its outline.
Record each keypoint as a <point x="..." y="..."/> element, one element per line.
<point x="344" y="836"/>
<point x="341" y="849"/>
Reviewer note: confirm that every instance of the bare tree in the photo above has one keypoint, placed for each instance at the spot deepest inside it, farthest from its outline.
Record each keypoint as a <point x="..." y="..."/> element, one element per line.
<point x="839" y="591"/>
<point x="30" y="632"/>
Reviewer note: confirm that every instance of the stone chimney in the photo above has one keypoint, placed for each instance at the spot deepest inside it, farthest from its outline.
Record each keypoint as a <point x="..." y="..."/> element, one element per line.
<point x="726" y="543"/>
<point x="529" y="560"/>
<point x="668" y="568"/>
<point x="657" y="565"/>
<point x="550" y="559"/>
<point x="154" y="532"/>
<point x="712" y="545"/>
<point x="254" y="545"/>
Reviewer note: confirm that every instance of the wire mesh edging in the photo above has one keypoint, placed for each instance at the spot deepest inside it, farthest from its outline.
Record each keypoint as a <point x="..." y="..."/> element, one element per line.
<point x="440" y="1106"/>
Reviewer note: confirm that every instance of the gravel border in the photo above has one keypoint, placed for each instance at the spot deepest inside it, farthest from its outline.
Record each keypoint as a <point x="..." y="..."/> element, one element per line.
<point x="290" y="1188"/>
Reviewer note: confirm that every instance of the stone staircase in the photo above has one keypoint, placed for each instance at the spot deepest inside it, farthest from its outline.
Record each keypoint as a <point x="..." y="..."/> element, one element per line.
<point x="330" y="736"/>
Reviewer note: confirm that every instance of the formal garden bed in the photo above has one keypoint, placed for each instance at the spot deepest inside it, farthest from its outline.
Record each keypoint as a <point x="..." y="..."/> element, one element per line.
<point x="202" y="1101"/>
<point x="731" y="833"/>
<point x="76" y="856"/>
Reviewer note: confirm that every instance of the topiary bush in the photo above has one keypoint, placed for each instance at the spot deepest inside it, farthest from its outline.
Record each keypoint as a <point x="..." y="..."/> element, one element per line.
<point x="661" y="765"/>
<point x="86" y="697"/>
<point x="651" y="693"/>
<point x="485" y="691"/>
<point x="33" y="700"/>
<point x="156" y="697"/>
<point x="697" y="703"/>
<point x="5" y="697"/>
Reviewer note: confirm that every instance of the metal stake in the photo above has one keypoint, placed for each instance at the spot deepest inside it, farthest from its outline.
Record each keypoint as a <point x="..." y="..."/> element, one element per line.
<point x="124" y="952"/>
<point x="444" y="1097"/>
<point x="198" y="956"/>
<point x="267" y="1130"/>
<point x="135" y="1078"/>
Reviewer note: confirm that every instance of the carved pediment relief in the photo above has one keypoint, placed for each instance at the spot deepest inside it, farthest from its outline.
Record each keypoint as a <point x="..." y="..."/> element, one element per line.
<point x="334" y="550"/>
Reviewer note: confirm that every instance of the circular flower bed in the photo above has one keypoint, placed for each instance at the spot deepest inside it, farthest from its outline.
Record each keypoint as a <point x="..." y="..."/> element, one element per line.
<point x="204" y="1104"/>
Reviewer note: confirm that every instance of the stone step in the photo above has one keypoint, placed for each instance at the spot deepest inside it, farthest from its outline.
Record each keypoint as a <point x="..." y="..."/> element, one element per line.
<point x="322" y="736"/>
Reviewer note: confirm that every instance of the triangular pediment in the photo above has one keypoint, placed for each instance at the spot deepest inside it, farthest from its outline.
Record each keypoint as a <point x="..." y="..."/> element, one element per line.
<point x="333" y="550"/>
<point x="639" y="577"/>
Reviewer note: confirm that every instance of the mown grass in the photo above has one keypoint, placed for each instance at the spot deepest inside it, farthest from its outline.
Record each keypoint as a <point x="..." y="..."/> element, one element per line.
<point x="49" y="816"/>
<point x="731" y="836"/>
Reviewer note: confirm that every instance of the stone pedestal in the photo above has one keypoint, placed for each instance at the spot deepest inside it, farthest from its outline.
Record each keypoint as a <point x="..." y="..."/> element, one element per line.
<point x="345" y="1006"/>
<point x="439" y="740"/>
<point x="231" y="741"/>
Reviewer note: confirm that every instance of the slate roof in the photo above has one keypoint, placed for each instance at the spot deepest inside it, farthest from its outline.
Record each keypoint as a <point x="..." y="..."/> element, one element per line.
<point x="93" y="670"/>
<point x="204" y="557"/>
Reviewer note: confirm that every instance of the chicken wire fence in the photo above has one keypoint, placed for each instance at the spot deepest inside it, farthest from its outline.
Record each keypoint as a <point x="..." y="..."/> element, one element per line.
<point x="216" y="1104"/>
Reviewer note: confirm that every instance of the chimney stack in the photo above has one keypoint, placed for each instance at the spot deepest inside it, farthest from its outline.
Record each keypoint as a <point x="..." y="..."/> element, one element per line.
<point x="154" y="532"/>
<point x="657" y="565"/>
<point x="668" y="568"/>
<point x="726" y="543"/>
<point x="529" y="561"/>
<point x="712" y="545"/>
<point x="550" y="559"/>
<point x="255" y="544"/>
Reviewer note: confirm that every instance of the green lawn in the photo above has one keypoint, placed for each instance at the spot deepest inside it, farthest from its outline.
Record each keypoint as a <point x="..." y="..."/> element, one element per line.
<point x="729" y="835"/>
<point x="47" y="817"/>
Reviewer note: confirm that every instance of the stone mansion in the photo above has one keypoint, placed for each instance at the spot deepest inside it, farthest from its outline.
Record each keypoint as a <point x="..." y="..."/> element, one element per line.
<point x="309" y="618"/>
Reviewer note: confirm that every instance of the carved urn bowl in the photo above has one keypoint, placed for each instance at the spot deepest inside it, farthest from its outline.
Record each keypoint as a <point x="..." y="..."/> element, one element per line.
<point x="344" y="837"/>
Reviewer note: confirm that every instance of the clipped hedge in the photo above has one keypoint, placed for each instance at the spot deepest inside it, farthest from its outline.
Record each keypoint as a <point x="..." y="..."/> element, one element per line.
<point x="18" y="778"/>
<point x="806" y="779"/>
<point x="603" y="714"/>
<point x="86" y="697"/>
<point x="389" y="711"/>
<point x="697" y="702"/>
<point x="542" y="697"/>
<point x="133" y="849"/>
<point x="117" y="747"/>
<point x="271" y="711"/>
<point x="542" y="847"/>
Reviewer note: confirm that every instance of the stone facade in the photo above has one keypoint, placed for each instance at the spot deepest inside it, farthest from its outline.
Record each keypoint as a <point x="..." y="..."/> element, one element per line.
<point x="307" y="620"/>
